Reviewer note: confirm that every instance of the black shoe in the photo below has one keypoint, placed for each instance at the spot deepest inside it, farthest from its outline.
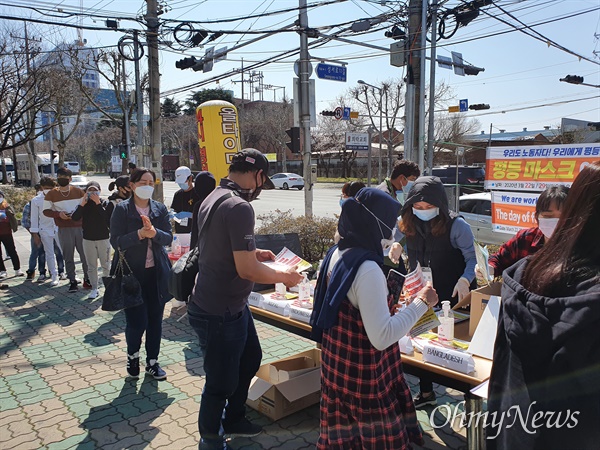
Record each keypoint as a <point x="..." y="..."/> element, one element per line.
<point x="87" y="284"/>
<point x="420" y="400"/>
<point x="133" y="367"/>
<point x="243" y="428"/>
<point x="30" y="275"/>
<point x="156" y="371"/>
<point x="213" y="445"/>
<point x="73" y="287"/>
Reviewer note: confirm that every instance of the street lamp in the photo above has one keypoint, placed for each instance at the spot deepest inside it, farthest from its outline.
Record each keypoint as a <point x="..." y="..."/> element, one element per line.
<point x="380" y="124"/>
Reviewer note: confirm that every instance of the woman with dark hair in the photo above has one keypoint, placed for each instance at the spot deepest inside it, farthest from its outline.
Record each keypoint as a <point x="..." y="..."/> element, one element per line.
<point x="140" y="229"/>
<point x="528" y="241"/>
<point x="442" y="242"/>
<point x="365" y="401"/>
<point x="123" y="192"/>
<point x="204" y="184"/>
<point x="547" y="350"/>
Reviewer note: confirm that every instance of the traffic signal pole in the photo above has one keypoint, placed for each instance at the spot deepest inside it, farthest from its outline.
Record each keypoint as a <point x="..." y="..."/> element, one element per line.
<point x="304" y="91"/>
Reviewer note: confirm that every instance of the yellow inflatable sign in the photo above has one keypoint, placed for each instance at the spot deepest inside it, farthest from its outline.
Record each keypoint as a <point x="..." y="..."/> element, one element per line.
<point x="218" y="136"/>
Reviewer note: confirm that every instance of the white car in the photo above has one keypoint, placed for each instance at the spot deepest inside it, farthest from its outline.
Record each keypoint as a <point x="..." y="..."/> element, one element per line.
<point x="476" y="209"/>
<point x="288" y="180"/>
<point x="80" y="181"/>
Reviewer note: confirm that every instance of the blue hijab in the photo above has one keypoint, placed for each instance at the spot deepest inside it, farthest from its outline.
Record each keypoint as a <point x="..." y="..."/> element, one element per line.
<point x="365" y="220"/>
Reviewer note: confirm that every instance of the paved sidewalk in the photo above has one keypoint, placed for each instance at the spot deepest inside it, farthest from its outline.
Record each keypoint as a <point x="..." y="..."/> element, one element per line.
<point x="62" y="385"/>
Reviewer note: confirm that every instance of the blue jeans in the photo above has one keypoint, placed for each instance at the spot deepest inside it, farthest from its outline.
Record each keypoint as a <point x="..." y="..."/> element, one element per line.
<point x="38" y="255"/>
<point x="145" y="318"/>
<point x="232" y="356"/>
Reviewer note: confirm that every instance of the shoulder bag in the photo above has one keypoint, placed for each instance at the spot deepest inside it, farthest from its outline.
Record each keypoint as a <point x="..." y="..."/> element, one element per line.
<point x="123" y="290"/>
<point x="183" y="273"/>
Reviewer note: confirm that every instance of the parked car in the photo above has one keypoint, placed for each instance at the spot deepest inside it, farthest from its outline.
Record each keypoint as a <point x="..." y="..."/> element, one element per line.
<point x="476" y="209"/>
<point x="80" y="181"/>
<point x="73" y="166"/>
<point x="288" y="180"/>
<point x="467" y="175"/>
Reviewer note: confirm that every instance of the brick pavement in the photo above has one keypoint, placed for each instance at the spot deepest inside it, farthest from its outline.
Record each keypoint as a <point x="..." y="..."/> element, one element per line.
<point x="62" y="385"/>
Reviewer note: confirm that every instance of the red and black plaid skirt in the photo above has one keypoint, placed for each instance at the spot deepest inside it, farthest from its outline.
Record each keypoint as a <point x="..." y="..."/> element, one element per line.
<point x="365" y="401"/>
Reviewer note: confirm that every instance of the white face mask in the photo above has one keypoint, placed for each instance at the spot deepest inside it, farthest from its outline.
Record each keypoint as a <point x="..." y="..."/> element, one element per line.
<point x="547" y="225"/>
<point x="426" y="214"/>
<point x="45" y="191"/>
<point x="144" y="192"/>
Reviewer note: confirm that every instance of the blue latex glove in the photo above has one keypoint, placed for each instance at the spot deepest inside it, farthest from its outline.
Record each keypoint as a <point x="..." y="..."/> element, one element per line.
<point x="183" y="215"/>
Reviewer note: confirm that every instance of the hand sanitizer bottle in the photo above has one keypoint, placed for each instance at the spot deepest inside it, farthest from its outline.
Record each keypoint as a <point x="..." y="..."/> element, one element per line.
<point x="176" y="247"/>
<point x="304" y="293"/>
<point x="446" y="327"/>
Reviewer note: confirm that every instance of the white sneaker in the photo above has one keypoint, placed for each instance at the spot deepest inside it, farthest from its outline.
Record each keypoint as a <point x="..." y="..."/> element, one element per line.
<point x="54" y="282"/>
<point x="19" y="273"/>
<point x="3" y="274"/>
<point x="93" y="294"/>
<point x="63" y="276"/>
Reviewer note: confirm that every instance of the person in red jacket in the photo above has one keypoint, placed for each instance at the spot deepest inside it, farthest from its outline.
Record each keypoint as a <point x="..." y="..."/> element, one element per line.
<point x="529" y="241"/>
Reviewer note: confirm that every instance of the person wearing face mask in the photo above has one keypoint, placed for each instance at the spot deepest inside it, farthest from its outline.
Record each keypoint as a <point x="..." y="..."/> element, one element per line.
<point x="59" y="204"/>
<point x="122" y="192"/>
<point x="45" y="232"/>
<point x="204" y="184"/>
<point x="441" y="242"/>
<point x="401" y="179"/>
<point x="528" y="241"/>
<point x="92" y="212"/>
<point x="184" y="200"/>
<point x="350" y="190"/>
<point x="365" y="400"/>
<point x="228" y="266"/>
<point x="140" y="229"/>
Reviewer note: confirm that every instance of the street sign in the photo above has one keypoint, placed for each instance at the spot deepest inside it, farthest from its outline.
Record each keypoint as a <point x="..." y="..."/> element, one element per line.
<point x="331" y="72"/>
<point x="208" y="59"/>
<point x="297" y="68"/>
<point x="354" y="114"/>
<point x="464" y="105"/>
<point x="444" y="62"/>
<point x="457" y="61"/>
<point x="357" y="141"/>
<point x="339" y="112"/>
<point x="346" y="115"/>
<point x="454" y="109"/>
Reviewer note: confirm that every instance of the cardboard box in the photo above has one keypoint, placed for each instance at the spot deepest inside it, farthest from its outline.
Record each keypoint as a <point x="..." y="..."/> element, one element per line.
<point x="478" y="299"/>
<point x="286" y="386"/>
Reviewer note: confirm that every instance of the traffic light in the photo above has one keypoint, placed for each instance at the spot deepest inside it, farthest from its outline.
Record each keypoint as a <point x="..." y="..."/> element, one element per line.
<point x="190" y="63"/>
<point x="328" y="113"/>
<point x="573" y="79"/>
<point x="123" y="151"/>
<point x="472" y="70"/>
<point x="479" y="106"/>
<point x="294" y="144"/>
<point x="395" y="33"/>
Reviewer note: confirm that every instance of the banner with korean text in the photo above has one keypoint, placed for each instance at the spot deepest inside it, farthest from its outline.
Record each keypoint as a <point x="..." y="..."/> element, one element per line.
<point x="513" y="211"/>
<point x="536" y="167"/>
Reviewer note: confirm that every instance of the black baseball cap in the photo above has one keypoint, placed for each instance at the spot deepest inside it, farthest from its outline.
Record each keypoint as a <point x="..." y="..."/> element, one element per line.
<point x="253" y="159"/>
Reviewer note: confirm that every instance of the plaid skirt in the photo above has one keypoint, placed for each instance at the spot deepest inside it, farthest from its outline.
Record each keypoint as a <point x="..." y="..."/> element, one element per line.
<point x="365" y="401"/>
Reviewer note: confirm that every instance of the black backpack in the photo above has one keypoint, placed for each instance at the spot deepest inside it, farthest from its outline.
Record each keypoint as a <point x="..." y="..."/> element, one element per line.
<point x="183" y="273"/>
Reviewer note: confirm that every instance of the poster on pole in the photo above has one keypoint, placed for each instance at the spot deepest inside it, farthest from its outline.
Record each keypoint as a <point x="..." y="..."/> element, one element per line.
<point x="513" y="211"/>
<point x="536" y="167"/>
<point x="357" y="141"/>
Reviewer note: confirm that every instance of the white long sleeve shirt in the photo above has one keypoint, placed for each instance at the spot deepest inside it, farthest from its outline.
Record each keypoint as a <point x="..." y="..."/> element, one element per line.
<point x="369" y="294"/>
<point x="39" y="222"/>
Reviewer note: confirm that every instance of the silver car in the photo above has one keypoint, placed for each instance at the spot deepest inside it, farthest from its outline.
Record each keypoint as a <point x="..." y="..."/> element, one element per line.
<point x="476" y="209"/>
<point x="79" y="180"/>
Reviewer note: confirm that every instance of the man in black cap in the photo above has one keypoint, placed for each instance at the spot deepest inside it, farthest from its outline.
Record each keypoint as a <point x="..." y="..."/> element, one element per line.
<point x="229" y="265"/>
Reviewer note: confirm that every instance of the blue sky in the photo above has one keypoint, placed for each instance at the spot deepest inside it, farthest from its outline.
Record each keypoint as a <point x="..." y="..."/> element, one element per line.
<point x="521" y="73"/>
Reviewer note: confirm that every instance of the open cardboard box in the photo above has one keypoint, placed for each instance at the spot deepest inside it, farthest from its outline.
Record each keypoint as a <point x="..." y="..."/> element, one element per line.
<point x="286" y="386"/>
<point x="478" y="299"/>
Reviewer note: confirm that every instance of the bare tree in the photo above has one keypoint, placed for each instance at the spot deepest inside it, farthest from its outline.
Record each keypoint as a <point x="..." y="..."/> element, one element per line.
<point x="449" y="134"/>
<point x="180" y="134"/>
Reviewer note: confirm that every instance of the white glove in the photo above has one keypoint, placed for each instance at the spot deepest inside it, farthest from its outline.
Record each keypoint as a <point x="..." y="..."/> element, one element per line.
<point x="461" y="289"/>
<point x="396" y="251"/>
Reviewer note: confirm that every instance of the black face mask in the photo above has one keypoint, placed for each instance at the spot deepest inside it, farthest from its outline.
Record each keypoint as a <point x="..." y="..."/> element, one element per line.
<point x="62" y="181"/>
<point x="251" y="194"/>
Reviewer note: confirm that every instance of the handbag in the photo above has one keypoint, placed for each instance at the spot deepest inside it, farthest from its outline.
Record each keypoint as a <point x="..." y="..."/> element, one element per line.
<point x="183" y="273"/>
<point x="123" y="290"/>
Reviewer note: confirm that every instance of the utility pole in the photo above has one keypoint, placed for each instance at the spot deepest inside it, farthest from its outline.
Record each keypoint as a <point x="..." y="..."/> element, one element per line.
<point x="139" y="100"/>
<point x="431" y="126"/>
<point x="304" y="93"/>
<point x="154" y="96"/>
<point x="422" y="45"/>
<point x="125" y="118"/>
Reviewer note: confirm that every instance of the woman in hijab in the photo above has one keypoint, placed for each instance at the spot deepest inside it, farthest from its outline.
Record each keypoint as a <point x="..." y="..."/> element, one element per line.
<point x="442" y="242"/>
<point x="204" y="184"/>
<point x="365" y="401"/>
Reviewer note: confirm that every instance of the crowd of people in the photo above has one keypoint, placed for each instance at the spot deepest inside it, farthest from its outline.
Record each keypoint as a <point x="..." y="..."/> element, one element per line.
<point x="547" y="350"/>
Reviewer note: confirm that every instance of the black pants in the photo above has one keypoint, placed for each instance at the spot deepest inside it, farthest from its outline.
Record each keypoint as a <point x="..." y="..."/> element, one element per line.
<point x="9" y="245"/>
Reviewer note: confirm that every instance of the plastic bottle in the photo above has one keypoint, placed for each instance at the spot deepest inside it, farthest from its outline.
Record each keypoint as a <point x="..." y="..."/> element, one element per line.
<point x="304" y="293"/>
<point x="446" y="327"/>
<point x="176" y="246"/>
